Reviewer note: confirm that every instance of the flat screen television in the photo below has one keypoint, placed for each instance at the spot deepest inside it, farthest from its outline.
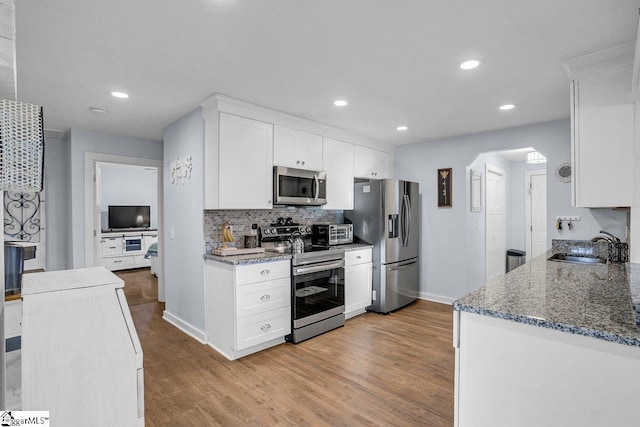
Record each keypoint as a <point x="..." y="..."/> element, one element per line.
<point x="129" y="217"/>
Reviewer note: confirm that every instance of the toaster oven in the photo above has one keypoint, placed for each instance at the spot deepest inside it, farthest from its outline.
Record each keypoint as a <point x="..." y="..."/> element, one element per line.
<point x="332" y="234"/>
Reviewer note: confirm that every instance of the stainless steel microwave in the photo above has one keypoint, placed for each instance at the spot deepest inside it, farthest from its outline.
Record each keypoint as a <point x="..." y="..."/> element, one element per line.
<point x="299" y="187"/>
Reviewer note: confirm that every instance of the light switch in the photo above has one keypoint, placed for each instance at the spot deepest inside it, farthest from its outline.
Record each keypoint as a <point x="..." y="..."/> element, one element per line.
<point x="172" y="233"/>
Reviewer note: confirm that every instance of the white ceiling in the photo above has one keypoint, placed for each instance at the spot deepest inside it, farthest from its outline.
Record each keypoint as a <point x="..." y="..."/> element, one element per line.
<point x="395" y="61"/>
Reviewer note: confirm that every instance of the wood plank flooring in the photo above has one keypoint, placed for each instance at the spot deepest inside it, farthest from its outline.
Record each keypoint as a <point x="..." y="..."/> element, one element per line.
<point x="386" y="370"/>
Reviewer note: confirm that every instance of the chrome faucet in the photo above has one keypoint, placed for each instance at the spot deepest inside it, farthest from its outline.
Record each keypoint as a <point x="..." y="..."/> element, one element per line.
<point x="607" y="236"/>
<point x="618" y="251"/>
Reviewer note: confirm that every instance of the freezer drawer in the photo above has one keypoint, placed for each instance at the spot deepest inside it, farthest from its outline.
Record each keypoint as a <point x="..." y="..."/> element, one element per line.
<point x="398" y="286"/>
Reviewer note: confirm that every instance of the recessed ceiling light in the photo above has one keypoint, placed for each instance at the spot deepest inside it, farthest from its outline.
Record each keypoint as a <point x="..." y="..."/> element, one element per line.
<point x="402" y="128"/>
<point x="470" y="64"/>
<point x="507" y="107"/>
<point x="340" y="103"/>
<point x="118" y="94"/>
<point x="97" y="110"/>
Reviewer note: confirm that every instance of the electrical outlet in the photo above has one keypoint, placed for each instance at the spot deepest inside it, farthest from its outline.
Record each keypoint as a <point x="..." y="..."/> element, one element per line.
<point x="568" y="218"/>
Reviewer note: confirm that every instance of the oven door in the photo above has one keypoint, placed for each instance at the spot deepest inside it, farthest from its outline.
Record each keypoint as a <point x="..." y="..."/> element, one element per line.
<point x="299" y="187"/>
<point x="317" y="292"/>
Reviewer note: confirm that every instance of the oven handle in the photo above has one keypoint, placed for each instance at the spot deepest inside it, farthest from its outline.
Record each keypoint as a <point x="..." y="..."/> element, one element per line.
<point x="318" y="267"/>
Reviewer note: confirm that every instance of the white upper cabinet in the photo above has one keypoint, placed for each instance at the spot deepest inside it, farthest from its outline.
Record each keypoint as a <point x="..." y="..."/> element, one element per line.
<point x="245" y="163"/>
<point x="296" y="149"/>
<point x="370" y="163"/>
<point x="337" y="158"/>
<point x="602" y="121"/>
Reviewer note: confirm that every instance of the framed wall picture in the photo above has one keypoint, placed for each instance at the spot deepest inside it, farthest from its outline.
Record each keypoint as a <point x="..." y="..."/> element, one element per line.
<point x="476" y="191"/>
<point x="444" y="188"/>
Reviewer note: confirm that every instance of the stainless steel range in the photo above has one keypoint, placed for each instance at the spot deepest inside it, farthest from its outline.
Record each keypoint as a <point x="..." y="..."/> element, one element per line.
<point x="317" y="281"/>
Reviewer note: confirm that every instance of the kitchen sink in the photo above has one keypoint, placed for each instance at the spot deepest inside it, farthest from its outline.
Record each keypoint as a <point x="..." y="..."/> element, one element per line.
<point x="577" y="259"/>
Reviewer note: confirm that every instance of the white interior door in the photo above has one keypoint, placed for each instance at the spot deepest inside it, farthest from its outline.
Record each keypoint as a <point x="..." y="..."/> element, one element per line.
<point x="536" y="212"/>
<point x="496" y="225"/>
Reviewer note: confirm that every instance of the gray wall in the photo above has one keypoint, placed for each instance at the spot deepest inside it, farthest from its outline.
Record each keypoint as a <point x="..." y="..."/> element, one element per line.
<point x="452" y="249"/>
<point x="83" y="141"/>
<point x="57" y="181"/>
<point x="183" y="213"/>
<point x="141" y="189"/>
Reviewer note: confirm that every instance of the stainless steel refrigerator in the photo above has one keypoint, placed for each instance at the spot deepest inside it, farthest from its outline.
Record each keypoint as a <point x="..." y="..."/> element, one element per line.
<point x="386" y="214"/>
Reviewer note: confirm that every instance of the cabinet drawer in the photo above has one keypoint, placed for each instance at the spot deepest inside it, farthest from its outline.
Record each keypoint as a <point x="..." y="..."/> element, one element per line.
<point x="111" y="247"/>
<point x="262" y="296"/>
<point x="116" y="262"/>
<point x="260" y="272"/>
<point x="259" y="328"/>
<point x="357" y="257"/>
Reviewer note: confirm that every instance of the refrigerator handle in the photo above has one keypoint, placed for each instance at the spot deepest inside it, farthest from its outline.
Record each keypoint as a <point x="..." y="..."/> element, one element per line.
<point x="406" y="220"/>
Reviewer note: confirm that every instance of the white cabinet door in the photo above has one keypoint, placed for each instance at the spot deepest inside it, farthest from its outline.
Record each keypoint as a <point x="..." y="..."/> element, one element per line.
<point x="357" y="282"/>
<point x="603" y="139"/>
<point x="245" y="163"/>
<point x="296" y="149"/>
<point x="337" y="158"/>
<point x="370" y="163"/>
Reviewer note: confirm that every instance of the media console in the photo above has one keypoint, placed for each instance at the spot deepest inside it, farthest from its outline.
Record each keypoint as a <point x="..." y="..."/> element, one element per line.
<point x="124" y="250"/>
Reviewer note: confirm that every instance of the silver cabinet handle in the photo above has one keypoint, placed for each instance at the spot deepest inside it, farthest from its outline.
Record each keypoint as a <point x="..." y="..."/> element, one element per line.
<point x="119" y="260"/>
<point x="358" y="257"/>
<point x="265" y="326"/>
<point x="303" y="162"/>
<point x="265" y="297"/>
<point x="297" y="162"/>
<point x="265" y="271"/>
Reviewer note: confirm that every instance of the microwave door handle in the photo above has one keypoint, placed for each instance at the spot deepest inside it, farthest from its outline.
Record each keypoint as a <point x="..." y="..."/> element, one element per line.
<point x="316" y="193"/>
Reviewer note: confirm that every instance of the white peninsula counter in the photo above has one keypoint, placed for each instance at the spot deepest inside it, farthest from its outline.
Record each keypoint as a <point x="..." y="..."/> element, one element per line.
<point x="550" y="344"/>
<point x="81" y="357"/>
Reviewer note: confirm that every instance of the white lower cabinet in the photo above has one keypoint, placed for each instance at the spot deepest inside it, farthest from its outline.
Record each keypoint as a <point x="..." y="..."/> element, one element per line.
<point x="248" y="307"/>
<point x="12" y="318"/>
<point x="81" y="357"/>
<point x="120" y="251"/>
<point x="357" y="282"/>
<point x="514" y="374"/>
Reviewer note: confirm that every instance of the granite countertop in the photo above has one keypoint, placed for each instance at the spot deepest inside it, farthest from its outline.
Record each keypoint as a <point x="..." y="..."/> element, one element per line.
<point x="274" y="256"/>
<point x="599" y="300"/>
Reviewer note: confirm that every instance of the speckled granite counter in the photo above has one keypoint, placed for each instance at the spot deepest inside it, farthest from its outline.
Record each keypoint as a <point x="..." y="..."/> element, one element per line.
<point x="249" y="258"/>
<point x="274" y="256"/>
<point x="592" y="300"/>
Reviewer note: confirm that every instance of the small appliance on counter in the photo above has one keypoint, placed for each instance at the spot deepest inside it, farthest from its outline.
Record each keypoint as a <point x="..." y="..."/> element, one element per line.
<point x="331" y="234"/>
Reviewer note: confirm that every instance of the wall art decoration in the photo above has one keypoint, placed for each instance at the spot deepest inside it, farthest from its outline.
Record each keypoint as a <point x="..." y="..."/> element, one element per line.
<point x="22" y="216"/>
<point x="180" y="169"/>
<point x="444" y="188"/>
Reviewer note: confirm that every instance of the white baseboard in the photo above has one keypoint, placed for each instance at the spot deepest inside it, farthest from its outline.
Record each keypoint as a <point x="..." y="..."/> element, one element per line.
<point x="436" y="298"/>
<point x="185" y="327"/>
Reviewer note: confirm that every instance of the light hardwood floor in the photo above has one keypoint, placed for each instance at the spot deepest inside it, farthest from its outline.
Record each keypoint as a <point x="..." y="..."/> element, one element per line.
<point x="387" y="370"/>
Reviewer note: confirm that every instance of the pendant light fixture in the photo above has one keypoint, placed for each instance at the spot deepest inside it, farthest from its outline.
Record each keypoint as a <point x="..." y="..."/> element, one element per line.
<point x="21" y="146"/>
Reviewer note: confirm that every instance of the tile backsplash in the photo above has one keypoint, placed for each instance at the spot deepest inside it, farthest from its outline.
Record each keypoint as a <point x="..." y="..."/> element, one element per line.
<point x="241" y="221"/>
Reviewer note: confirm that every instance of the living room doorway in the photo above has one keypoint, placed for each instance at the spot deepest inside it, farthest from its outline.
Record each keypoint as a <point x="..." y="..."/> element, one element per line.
<point x="116" y="181"/>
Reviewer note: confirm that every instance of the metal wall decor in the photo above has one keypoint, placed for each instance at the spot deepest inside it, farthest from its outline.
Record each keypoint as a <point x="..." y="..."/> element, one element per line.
<point x="444" y="188"/>
<point x="22" y="216"/>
